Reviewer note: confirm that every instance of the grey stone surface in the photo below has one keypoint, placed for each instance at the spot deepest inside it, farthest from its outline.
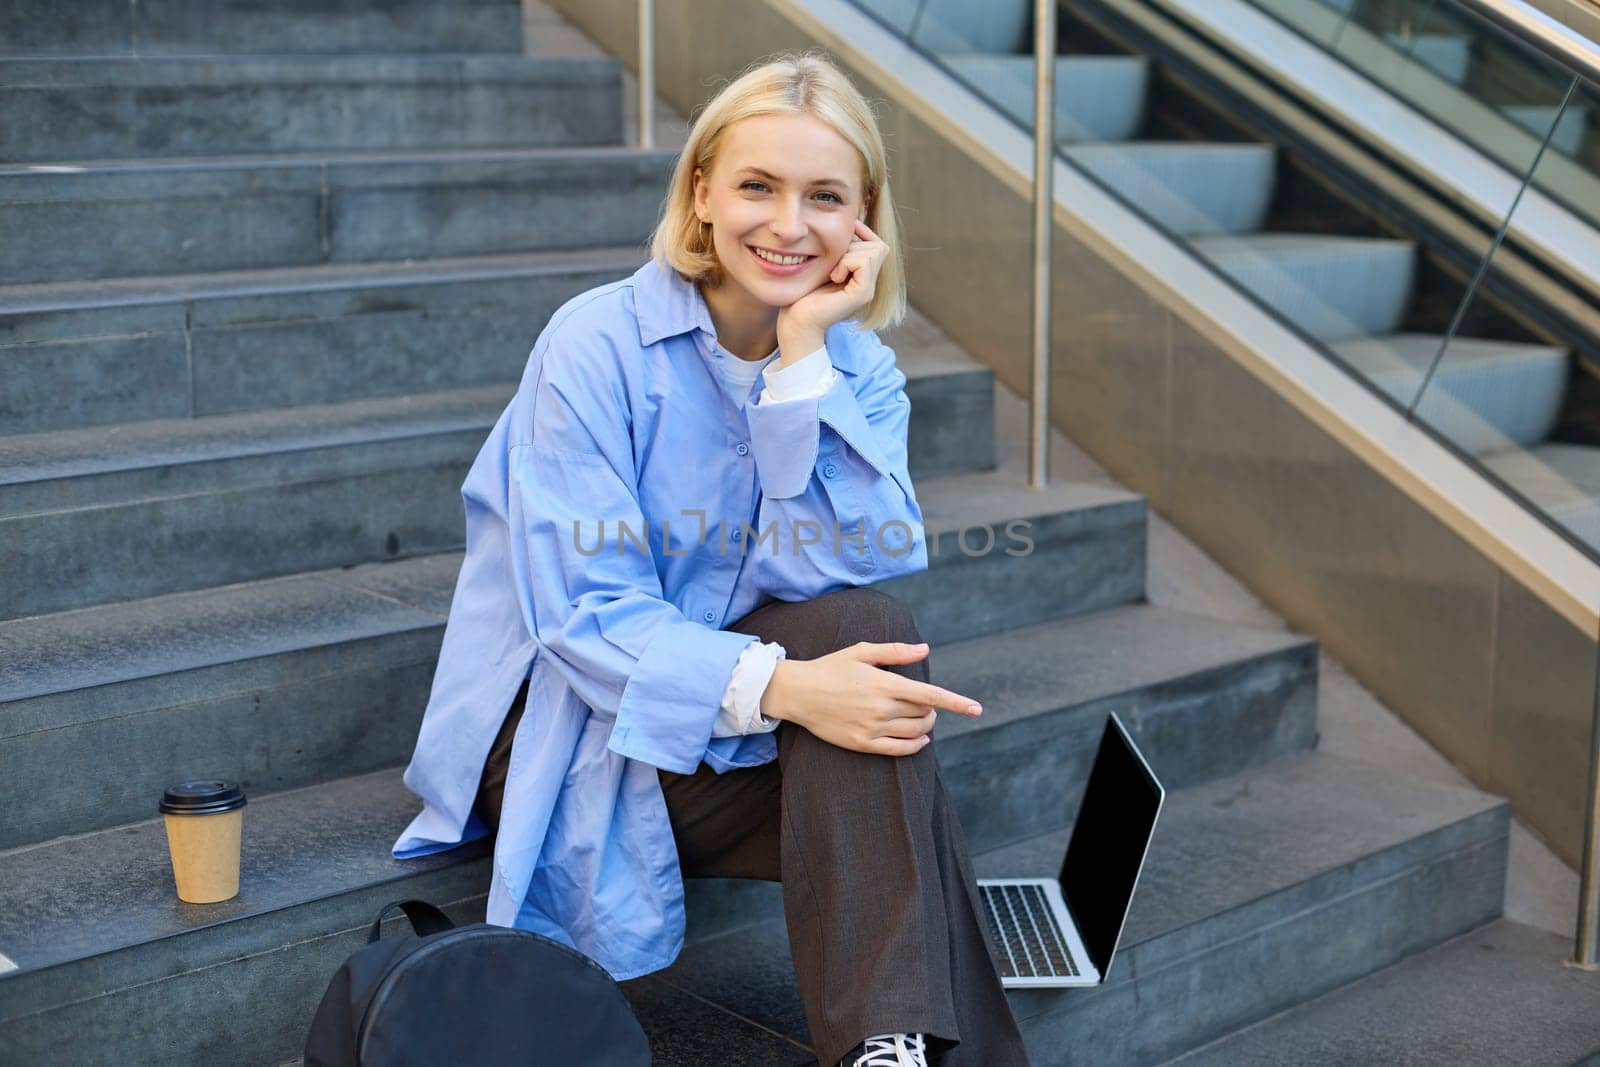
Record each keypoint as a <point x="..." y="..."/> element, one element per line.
<point x="41" y="27"/>
<point x="284" y="682"/>
<point x="961" y="437"/>
<point x="103" y="221"/>
<point x="84" y="109"/>
<point x="71" y="355"/>
<point x="157" y="639"/>
<point x="98" y="515"/>
<point x="1204" y="700"/>
<point x="157" y="27"/>
<point x="106" y="352"/>
<point x="1030" y="554"/>
<point x="687" y="1031"/>
<point x="150" y="218"/>
<point x="40" y="470"/>
<point x="278" y="496"/>
<point x="1500" y="994"/>
<point x="279" y="685"/>
<point x="240" y="26"/>
<point x="106" y="905"/>
<point x="100" y="378"/>
<point x="1259" y="890"/>
<point x="1157" y="1014"/>
<point x="1292" y="849"/>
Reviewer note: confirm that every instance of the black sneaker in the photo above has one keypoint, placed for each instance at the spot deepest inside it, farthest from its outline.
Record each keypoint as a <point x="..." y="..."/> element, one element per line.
<point x="889" y="1050"/>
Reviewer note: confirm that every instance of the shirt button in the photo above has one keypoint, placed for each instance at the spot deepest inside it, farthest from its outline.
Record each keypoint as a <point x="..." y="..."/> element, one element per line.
<point x="829" y="470"/>
<point x="738" y="533"/>
<point x="741" y="448"/>
<point x="710" y="616"/>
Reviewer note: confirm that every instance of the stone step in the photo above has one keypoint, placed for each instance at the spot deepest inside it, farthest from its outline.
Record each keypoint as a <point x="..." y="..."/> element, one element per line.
<point x="1204" y="699"/>
<point x="97" y="353"/>
<point x="1098" y="98"/>
<point x="99" y="515"/>
<point x="286" y="682"/>
<point x="130" y="350"/>
<point x="143" y="217"/>
<point x="175" y="27"/>
<point x="1332" y="287"/>
<point x="1305" y="874"/>
<point x="63" y="110"/>
<point x="1485" y="395"/>
<point x="326" y="675"/>
<point x="1190" y="188"/>
<point x="113" y="969"/>
<point x="1500" y="994"/>
<point x="1260" y="890"/>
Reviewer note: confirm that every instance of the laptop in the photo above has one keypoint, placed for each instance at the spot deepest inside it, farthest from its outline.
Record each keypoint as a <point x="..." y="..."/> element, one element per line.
<point x="1063" y="931"/>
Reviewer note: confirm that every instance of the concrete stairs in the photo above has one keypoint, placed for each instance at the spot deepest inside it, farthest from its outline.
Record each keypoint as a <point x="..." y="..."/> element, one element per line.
<point x="233" y="423"/>
<point x="180" y="27"/>
<point x="1394" y="1016"/>
<point x="1262" y="889"/>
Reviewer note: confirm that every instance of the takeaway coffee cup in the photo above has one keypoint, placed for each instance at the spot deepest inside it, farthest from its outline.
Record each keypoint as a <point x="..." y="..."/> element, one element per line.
<point x="203" y="822"/>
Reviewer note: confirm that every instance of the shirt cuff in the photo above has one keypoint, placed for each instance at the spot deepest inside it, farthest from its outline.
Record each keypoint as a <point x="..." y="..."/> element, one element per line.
<point x="808" y="376"/>
<point x="741" y="701"/>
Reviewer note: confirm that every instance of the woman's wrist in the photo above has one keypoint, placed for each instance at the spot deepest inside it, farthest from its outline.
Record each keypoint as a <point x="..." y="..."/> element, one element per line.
<point x="776" y="699"/>
<point x="795" y="345"/>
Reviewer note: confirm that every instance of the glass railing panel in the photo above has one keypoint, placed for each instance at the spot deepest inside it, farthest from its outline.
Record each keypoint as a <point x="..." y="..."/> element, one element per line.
<point x="1493" y="91"/>
<point x="1430" y="325"/>
<point x="1524" y="405"/>
<point x="1353" y="281"/>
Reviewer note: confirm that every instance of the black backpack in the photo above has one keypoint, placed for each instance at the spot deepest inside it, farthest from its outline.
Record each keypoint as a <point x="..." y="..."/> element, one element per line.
<point x="474" y="994"/>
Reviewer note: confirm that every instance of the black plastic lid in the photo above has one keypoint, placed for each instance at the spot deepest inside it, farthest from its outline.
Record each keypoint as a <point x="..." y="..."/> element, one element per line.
<point x="207" y="797"/>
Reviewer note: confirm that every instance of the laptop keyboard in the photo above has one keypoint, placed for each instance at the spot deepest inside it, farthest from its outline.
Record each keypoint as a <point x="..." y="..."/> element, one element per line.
<point x="1031" y="943"/>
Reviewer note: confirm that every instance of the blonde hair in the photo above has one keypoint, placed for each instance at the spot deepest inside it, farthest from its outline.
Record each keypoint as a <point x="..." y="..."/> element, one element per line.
<point x="789" y="84"/>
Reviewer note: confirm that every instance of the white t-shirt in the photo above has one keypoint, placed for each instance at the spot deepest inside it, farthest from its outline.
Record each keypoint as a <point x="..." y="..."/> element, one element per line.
<point x="804" y="378"/>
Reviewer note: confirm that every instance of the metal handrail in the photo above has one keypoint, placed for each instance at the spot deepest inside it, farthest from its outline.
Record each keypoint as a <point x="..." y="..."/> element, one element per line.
<point x="647" y="74"/>
<point x="1044" y="202"/>
<point x="1581" y="57"/>
<point x="1561" y="43"/>
<point x="1586" y="945"/>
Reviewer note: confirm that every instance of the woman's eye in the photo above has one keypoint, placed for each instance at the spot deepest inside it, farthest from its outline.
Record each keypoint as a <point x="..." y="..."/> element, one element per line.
<point x="832" y="197"/>
<point x="759" y="186"/>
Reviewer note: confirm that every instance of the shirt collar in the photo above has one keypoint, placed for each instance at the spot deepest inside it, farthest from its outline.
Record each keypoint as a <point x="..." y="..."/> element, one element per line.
<point x="666" y="305"/>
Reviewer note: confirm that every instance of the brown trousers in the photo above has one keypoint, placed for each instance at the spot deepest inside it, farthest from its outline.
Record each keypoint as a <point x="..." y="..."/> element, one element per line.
<point x="885" y="925"/>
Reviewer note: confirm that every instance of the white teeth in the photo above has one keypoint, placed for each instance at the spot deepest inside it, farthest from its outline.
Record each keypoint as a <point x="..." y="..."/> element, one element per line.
<point x="783" y="261"/>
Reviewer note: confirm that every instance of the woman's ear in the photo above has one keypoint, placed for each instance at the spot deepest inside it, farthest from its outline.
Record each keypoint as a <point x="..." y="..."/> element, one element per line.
<point x="701" y="194"/>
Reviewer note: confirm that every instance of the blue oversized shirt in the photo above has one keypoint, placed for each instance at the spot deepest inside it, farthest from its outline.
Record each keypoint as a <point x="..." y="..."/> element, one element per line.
<point x="623" y="509"/>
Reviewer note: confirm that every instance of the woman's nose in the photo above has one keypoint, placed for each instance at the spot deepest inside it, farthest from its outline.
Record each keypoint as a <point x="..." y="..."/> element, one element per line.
<point x="787" y="222"/>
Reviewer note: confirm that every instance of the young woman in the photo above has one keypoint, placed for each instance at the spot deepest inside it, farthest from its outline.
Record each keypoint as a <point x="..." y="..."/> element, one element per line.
<point x="670" y="534"/>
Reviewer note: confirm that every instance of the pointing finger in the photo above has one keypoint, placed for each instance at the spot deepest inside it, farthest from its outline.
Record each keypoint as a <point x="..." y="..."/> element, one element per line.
<point x="927" y="694"/>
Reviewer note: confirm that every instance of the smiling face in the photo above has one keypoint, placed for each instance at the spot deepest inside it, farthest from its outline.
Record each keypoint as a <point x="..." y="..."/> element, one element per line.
<point x="782" y="198"/>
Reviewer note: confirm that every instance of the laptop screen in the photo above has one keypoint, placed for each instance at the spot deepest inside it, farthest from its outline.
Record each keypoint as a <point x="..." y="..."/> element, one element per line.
<point x="1108" y="844"/>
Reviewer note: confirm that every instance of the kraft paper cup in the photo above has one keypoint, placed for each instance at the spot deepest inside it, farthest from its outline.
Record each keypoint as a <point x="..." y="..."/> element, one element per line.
<point x="204" y="820"/>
